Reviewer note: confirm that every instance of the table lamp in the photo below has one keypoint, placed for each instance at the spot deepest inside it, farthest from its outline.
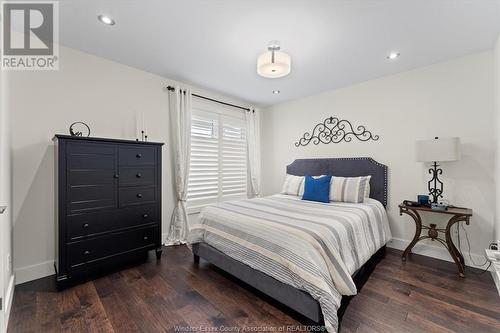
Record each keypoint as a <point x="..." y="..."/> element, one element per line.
<point x="437" y="150"/>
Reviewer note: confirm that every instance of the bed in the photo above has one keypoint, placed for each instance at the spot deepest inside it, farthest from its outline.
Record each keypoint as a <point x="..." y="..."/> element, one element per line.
<point x="312" y="257"/>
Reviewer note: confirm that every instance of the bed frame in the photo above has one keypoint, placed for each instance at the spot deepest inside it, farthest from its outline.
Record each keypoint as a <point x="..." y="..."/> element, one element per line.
<point x="298" y="300"/>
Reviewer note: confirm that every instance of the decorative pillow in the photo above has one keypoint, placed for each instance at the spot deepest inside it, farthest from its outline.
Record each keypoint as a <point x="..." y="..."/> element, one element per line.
<point x="293" y="185"/>
<point x="317" y="189"/>
<point x="350" y="189"/>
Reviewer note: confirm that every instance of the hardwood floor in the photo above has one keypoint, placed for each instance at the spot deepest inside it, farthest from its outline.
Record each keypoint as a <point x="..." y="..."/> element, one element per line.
<point x="421" y="295"/>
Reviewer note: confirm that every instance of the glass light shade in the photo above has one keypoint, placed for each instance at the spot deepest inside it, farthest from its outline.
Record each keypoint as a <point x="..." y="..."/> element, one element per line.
<point x="438" y="150"/>
<point x="279" y="68"/>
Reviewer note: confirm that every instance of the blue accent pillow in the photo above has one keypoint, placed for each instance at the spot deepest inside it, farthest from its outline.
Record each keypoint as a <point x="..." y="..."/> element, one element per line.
<point x="317" y="189"/>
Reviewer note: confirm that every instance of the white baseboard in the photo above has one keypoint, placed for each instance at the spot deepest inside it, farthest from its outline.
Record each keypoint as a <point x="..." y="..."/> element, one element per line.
<point x="9" y="295"/>
<point x="33" y="272"/>
<point x="438" y="252"/>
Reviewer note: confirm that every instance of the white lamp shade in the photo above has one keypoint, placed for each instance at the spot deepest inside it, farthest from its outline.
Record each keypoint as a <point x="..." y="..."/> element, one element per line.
<point x="438" y="150"/>
<point x="279" y="68"/>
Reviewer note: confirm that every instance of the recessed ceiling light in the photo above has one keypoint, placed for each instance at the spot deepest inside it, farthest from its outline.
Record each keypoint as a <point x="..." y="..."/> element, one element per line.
<point x="106" y="19"/>
<point x="276" y="92"/>
<point x="393" y="55"/>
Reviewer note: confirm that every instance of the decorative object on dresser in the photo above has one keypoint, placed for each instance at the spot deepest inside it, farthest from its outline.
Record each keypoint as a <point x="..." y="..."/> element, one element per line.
<point x="335" y="130"/>
<point x="108" y="203"/>
<point x="141" y="127"/>
<point x="437" y="150"/>
<point x="457" y="214"/>
<point x="73" y="129"/>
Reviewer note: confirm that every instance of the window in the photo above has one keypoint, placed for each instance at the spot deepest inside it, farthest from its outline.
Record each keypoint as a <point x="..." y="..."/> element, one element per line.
<point x="218" y="161"/>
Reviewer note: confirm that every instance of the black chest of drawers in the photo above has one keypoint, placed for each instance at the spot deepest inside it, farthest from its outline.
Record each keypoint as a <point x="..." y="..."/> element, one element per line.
<point x="108" y="203"/>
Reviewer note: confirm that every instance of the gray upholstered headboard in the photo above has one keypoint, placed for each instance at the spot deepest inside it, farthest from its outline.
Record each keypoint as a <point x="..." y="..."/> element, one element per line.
<point x="345" y="167"/>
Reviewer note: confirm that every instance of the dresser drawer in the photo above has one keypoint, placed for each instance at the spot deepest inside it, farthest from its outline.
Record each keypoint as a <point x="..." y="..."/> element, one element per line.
<point x="89" y="251"/>
<point x="136" y="155"/>
<point x="90" y="156"/>
<point x="91" y="177"/>
<point x="137" y="195"/>
<point x="90" y="197"/>
<point x="92" y="224"/>
<point x="132" y="176"/>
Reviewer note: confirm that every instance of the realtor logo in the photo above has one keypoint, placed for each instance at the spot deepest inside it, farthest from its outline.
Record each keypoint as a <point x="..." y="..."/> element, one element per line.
<point x="29" y="35"/>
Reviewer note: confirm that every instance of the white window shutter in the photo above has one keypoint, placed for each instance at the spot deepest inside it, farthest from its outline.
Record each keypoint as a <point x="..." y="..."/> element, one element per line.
<point x="218" y="169"/>
<point x="234" y="159"/>
<point x="203" y="183"/>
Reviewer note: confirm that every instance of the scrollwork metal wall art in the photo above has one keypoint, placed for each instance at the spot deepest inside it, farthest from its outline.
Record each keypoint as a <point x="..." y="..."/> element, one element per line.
<point x="335" y="130"/>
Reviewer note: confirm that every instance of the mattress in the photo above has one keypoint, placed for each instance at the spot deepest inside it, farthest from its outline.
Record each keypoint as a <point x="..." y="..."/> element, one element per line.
<point x="312" y="246"/>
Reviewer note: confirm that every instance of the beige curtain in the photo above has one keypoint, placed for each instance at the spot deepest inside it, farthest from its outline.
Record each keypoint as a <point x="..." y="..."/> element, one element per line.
<point x="252" y="119"/>
<point x="180" y="126"/>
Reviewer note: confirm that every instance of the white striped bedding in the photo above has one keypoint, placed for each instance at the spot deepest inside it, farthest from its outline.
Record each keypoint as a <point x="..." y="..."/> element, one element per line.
<point x="312" y="246"/>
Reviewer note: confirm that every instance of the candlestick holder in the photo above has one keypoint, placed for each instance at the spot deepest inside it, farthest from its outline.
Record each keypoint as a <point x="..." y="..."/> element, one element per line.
<point x="143" y="138"/>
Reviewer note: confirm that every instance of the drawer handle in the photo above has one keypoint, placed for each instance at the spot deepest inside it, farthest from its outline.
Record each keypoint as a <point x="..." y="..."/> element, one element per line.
<point x="139" y="195"/>
<point x="138" y="155"/>
<point x="87" y="252"/>
<point x="85" y="226"/>
<point x="145" y="237"/>
<point x="145" y="216"/>
<point x="139" y="175"/>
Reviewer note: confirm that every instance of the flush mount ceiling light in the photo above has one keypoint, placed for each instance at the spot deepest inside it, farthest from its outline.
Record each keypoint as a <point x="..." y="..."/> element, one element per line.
<point x="393" y="55"/>
<point x="106" y="19"/>
<point x="273" y="63"/>
<point x="276" y="92"/>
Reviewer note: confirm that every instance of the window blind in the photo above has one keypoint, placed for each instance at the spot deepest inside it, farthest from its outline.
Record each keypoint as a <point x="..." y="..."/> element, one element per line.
<point x="218" y="160"/>
<point x="203" y="183"/>
<point x="234" y="159"/>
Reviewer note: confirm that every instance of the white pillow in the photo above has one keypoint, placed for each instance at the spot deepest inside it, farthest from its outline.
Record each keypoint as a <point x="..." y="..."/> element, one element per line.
<point x="292" y="182"/>
<point x="349" y="189"/>
<point x="293" y="185"/>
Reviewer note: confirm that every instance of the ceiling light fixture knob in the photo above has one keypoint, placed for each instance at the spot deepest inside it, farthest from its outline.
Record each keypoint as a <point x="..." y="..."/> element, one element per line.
<point x="274" y="45"/>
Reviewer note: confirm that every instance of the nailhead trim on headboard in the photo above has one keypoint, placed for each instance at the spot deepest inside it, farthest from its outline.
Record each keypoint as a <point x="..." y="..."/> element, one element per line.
<point x="367" y="159"/>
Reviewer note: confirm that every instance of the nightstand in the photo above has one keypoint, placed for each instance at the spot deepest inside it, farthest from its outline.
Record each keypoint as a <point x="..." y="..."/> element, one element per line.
<point x="456" y="214"/>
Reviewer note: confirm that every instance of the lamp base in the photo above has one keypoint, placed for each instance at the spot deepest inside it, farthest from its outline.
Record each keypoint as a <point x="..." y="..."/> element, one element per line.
<point x="435" y="185"/>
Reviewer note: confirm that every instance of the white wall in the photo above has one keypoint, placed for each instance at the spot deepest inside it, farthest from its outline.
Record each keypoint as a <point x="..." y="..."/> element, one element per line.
<point x="453" y="98"/>
<point x="104" y="94"/>
<point x="6" y="278"/>
<point x="497" y="130"/>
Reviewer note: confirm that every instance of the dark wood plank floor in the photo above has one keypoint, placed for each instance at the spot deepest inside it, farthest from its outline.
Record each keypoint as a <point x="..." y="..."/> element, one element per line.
<point x="421" y="295"/>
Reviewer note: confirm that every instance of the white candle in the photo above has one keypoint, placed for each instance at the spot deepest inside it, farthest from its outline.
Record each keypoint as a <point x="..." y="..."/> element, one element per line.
<point x="143" y="123"/>
<point x="138" y="120"/>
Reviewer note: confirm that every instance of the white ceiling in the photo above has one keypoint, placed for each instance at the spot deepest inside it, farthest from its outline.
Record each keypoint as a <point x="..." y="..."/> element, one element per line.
<point x="215" y="43"/>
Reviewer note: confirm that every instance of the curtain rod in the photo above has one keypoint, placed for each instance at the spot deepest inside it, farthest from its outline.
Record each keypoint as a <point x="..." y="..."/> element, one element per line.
<point x="170" y="88"/>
